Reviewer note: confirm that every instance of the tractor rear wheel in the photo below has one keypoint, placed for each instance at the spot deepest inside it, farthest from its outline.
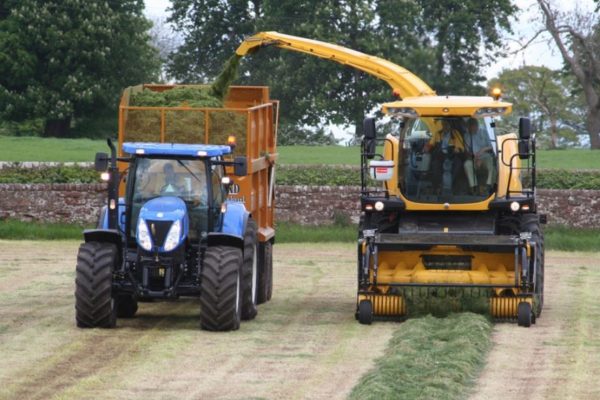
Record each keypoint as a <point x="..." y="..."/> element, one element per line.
<point x="249" y="272"/>
<point x="530" y="223"/>
<point x="221" y="292"/>
<point x="94" y="304"/>
<point x="126" y="306"/>
<point x="265" y="272"/>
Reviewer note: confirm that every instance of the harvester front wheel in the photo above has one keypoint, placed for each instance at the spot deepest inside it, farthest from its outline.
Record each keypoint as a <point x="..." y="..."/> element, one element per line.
<point x="530" y="223"/>
<point x="221" y="298"/>
<point x="365" y="312"/>
<point x="249" y="272"/>
<point x="94" y="304"/>
<point x="524" y="314"/>
<point x="265" y="272"/>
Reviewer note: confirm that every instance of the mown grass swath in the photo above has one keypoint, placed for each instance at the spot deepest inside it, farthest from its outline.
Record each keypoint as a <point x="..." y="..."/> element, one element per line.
<point x="429" y="358"/>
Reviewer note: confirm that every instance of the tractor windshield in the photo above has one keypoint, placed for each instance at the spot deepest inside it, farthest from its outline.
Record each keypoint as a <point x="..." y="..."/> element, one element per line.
<point x="448" y="160"/>
<point x="183" y="178"/>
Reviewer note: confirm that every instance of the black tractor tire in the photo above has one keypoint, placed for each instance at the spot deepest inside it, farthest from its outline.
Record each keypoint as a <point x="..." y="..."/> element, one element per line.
<point x="265" y="272"/>
<point x="365" y="312"/>
<point x="524" y="314"/>
<point x="221" y="291"/>
<point x="126" y="306"/>
<point x="250" y="272"/>
<point x="531" y="223"/>
<point x="94" y="304"/>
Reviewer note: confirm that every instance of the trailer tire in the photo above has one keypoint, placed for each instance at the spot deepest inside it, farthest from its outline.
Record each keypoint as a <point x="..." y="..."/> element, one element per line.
<point x="220" y="298"/>
<point x="94" y="304"/>
<point x="530" y="223"/>
<point x="126" y="306"/>
<point x="249" y="272"/>
<point x="265" y="272"/>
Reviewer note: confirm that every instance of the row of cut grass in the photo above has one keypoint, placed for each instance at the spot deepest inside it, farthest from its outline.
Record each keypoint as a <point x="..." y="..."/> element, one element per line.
<point x="14" y="148"/>
<point x="429" y="358"/>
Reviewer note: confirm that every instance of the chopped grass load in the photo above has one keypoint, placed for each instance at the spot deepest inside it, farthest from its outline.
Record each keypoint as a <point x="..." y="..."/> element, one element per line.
<point x="429" y="358"/>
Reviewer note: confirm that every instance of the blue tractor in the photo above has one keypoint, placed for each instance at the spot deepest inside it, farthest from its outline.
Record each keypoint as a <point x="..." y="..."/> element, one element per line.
<point x="173" y="234"/>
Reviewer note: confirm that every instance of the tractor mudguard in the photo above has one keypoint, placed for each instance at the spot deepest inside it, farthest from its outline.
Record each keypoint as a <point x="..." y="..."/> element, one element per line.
<point x="224" y="239"/>
<point x="105" y="236"/>
<point x="235" y="219"/>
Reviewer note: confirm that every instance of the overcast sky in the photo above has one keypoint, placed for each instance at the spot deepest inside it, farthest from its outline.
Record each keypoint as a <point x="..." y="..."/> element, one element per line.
<point x="525" y="25"/>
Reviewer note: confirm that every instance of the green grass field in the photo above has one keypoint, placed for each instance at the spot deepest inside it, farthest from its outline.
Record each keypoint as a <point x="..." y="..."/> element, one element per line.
<point x="62" y="150"/>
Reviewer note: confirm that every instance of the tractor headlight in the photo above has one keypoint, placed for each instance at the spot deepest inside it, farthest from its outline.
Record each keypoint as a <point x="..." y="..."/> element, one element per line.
<point x="143" y="235"/>
<point x="172" y="239"/>
<point x="379" y="206"/>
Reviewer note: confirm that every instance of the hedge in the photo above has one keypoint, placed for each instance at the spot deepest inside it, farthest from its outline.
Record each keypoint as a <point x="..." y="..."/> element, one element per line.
<point x="311" y="175"/>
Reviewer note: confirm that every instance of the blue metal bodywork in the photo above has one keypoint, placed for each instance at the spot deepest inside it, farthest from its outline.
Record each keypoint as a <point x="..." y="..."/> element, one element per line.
<point x="166" y="209"/>
<point x="234" y="219"/>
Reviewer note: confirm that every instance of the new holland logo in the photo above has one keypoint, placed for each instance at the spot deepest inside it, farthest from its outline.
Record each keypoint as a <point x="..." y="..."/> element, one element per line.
<point x="234" y="188"/>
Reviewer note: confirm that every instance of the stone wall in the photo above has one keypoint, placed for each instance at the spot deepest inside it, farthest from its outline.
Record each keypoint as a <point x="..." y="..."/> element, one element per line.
<point x="308" y="205"/>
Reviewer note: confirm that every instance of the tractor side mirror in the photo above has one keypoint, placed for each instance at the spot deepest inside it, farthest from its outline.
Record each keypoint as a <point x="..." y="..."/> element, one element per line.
<point x="240" y="166"/>
<point x="101" y="162"/>
<point x="370" y="134"/>
<point x="524" y="136"/>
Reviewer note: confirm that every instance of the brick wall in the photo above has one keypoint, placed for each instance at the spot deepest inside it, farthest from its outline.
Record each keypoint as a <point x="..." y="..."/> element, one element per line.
<point x="309" y="205"/>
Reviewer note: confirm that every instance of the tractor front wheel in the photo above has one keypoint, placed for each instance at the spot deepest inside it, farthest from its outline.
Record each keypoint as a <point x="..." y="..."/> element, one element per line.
<point x="221" y="291"/>
<point x="94" y="304"/>
<point x="126" y="306"/>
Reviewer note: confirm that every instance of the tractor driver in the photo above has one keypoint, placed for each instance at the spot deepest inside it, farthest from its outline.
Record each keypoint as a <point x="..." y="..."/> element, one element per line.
<point x="447" y="149"/>
<point x="479" y="158"/>
<point x="171" y="185"/>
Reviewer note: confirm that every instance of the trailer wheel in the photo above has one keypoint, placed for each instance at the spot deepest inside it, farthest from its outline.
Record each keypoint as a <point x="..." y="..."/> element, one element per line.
<point x="265" y="272"/>
<point x="365" y="312"/>
<point x="249" y="273"/>
<point x="524" y="314"/>
<point x="94" y="304"/>
<point x="530" y="223"/>
<point x="221" y="297"/>
<point x="126" y="306"/>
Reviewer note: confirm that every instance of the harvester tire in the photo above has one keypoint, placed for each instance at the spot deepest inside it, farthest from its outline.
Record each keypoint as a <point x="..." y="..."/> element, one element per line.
<point x="524" y="314"/>
<point x="265" y="272"/>
<point x="365" y="312"/>
<point x="126" y="306"/>
<point x="249" y="272"/>
<point x="94" y="304"/>
<point x="530" y="223"/>
<point x="221" y="296"/>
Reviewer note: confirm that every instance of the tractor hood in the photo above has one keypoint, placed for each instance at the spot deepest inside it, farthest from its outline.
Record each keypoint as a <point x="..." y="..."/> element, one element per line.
<point x="163" y="224"/>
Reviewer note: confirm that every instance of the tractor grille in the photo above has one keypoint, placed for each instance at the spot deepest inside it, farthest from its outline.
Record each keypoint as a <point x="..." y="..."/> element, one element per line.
<point x="159" y="231"/>
<point x="462" y="263"/>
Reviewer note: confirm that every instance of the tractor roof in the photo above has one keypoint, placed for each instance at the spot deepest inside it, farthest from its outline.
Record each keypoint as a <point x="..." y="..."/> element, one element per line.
<point x="442" y="106"/>
<point x="176" y="149"/>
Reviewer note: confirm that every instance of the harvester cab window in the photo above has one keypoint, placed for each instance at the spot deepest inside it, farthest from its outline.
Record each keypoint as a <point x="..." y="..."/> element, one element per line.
<point x="448" y="159"/>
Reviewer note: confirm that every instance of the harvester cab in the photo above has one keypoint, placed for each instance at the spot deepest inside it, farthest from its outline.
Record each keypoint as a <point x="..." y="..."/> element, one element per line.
<point x="448" y="204"/>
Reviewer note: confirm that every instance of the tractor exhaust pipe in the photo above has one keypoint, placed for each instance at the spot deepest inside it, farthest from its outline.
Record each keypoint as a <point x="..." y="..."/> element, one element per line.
<point x="113" y="188"/>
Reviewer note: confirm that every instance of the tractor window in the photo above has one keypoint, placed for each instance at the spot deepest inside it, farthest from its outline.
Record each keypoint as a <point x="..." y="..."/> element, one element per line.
<point x="183" y="178"/>
<point x="448" y="160"/>
<point x="217" y="187"/>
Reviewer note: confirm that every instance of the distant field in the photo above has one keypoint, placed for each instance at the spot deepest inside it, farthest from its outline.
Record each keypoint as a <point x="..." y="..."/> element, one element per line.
<point x="40" y="149"/>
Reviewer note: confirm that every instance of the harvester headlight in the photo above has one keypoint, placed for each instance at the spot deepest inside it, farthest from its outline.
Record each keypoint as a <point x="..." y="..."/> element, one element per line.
<point x="515" y="206"/>
<point x="369" y="207"/>
<point x="105" y="176"/>
<point x="172" y="239"/>
<point x="143" y="235"/>
<point x="379" y="206"/>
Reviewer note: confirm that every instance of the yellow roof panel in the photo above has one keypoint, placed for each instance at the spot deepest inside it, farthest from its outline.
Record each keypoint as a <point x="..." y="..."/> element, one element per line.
<point x="429" y="106"/>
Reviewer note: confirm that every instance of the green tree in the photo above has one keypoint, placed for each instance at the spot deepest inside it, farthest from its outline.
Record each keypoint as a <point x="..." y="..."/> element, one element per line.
<point x="64" y="59"/>
<point x="546" y="96"/>
<point x="438" y="40"/>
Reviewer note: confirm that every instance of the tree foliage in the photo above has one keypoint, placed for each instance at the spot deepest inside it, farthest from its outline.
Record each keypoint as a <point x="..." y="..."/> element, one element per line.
<point x="577" y="36"/>
<point x="545" y="96"/>
<point x="440" y="41"/>
<point x="63" y="59"/>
